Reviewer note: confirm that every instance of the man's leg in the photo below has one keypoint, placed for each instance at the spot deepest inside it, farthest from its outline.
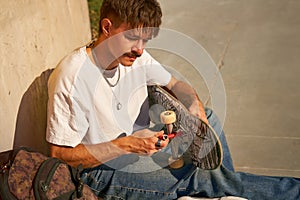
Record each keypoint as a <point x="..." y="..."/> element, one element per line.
<point x="222" y="182"/>
<point x="168" y="183"/>
<point x="189" y="180"/>
<point x="215" y="123"/>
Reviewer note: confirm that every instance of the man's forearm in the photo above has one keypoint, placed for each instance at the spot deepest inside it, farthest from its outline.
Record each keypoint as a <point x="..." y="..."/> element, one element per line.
<point x="185" y="93"/>
<point x="86" y="155"/>
<point x="188" y="97"/>
<point x="141" y="142"/>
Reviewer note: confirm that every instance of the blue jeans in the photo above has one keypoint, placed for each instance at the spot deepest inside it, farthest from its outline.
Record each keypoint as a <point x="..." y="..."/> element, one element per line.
<point x="166" y="183"/>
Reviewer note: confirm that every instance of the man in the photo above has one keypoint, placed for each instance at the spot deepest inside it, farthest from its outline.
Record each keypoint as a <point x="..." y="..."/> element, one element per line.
<point x="96" y="95"/>
<point x="114" y="56"/>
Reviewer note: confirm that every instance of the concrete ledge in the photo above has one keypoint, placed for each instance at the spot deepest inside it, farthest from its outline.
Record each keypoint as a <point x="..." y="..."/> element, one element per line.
<point x="34" y="36"/>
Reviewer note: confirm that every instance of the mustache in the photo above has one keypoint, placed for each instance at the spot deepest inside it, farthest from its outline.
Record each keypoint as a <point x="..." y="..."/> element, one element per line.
<point x="132" y="54"/>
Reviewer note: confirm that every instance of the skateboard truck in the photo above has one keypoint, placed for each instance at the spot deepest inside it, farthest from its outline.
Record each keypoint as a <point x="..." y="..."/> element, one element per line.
<point x="168" y="118"/>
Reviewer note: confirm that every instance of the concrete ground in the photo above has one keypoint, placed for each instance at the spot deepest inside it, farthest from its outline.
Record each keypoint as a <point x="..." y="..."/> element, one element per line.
<point x="259" y="44"/>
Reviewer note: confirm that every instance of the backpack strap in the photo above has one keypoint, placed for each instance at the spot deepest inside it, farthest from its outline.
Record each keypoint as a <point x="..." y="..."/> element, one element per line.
<point x="76" y="178"/>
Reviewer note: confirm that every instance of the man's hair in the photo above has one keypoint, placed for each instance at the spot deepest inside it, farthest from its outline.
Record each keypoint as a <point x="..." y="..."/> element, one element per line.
<point x="136" y="13"/>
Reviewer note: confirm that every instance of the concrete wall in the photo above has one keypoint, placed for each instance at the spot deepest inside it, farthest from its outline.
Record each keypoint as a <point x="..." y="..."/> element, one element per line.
<point x="34" y="36"/>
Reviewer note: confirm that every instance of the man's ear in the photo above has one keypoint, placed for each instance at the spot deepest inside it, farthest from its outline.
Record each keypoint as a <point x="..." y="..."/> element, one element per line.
<point x="105" y="26"/>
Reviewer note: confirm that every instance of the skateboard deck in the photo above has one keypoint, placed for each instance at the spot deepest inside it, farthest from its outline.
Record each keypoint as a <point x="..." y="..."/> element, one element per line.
<point x="192" y="134"/>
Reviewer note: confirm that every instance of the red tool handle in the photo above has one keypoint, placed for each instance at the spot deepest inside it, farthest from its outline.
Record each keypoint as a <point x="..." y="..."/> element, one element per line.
<point x="168" y="136"/>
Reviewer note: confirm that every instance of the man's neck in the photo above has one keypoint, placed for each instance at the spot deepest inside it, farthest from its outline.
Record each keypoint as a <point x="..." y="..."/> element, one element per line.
<point x="104" y="57"/>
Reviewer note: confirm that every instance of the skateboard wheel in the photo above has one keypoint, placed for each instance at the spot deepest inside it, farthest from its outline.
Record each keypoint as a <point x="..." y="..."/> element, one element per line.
<point x="176" y="163"/>
<point x="168" y="117"/>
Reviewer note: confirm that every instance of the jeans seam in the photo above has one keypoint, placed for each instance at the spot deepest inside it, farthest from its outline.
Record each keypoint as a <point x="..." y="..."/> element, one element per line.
<point x="143" y="190"/>
<point x="115" y="197"/>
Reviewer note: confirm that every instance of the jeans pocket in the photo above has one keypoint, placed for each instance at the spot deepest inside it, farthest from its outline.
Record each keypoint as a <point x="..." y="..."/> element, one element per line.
<point x="98" y="178"/>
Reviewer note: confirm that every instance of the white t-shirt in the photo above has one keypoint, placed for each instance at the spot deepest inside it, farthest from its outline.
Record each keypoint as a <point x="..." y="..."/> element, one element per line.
<point x="82" y="107"/>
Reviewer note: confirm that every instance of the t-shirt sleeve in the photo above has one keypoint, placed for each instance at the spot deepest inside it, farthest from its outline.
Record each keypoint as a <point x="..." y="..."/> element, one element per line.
<point x="67" y="123"/>
<point x="156" y="73"/>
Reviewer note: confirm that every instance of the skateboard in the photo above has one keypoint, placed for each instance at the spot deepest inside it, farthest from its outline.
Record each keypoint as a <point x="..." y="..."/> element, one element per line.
<point x="192" y="135"/>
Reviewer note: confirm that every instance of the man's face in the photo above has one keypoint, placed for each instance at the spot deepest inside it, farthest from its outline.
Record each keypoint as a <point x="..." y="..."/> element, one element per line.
<point x="127" y="44"/>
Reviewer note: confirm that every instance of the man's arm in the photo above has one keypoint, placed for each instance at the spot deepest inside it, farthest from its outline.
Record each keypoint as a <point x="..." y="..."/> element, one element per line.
<point x="141" y="142"/>
<point x="85" y="155"/>
<point x="188" y="96"/>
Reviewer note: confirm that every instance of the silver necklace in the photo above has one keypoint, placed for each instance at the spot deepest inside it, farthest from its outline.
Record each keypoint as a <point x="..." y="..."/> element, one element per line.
<point x="119" y="105"/>
<point x="103" y="71"/>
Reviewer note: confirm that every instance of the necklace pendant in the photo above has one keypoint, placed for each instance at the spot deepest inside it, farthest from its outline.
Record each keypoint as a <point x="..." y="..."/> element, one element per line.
<point x="119" y="106"/>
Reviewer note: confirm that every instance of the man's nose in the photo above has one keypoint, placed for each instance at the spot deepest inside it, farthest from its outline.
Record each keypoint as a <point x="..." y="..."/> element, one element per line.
<point x="139" y="47"/>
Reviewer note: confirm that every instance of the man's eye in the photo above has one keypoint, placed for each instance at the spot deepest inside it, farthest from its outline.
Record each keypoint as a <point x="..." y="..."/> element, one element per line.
<point x="131" y="38"/>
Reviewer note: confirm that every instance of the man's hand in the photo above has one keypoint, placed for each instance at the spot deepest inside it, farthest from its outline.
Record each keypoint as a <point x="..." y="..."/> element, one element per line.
<point x="197" y="109"/>
<point x="141" y="142"/>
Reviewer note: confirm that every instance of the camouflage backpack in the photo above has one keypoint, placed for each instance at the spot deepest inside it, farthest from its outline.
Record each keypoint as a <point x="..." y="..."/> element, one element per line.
<point x="27" y="174"/>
